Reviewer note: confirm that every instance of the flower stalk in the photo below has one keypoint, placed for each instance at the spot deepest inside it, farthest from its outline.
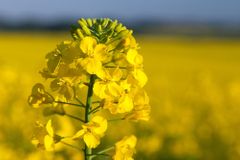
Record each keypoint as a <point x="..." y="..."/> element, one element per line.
<point x="87" y="150"/>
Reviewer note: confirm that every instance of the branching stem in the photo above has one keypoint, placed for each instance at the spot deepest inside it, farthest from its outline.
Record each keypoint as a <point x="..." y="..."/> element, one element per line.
<point x="72" y="146"/>
<point x="74" y="117"/>
<point x="103" y="152"/>
<point x="93" y="110"/>
<point x="72" y="104"/>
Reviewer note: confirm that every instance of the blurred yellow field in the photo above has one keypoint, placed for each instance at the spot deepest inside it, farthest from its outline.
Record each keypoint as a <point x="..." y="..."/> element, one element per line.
<point x="193" y="85"/>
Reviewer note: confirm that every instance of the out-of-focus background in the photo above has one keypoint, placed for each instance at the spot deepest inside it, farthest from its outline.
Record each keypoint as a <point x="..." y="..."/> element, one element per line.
<point x="191" y="55"/>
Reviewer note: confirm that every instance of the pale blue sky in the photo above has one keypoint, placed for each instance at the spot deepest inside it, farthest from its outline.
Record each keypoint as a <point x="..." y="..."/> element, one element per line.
<point x="200" y="10"/>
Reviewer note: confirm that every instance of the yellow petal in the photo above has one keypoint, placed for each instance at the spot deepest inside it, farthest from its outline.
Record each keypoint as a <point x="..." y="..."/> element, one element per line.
<point x="87" y="45"/>
<point x="133" y="57"/>
<point x="91" y="65"/>
<point x="139" y="113"/>
<point x="100" y="52"/>
<point x="131" y="54"/>
<point x="117" y="74"/>
<point x="125" y="85"/>
<point x="125" y="148"/>
<point x="108" y="104"/>
<point x="114" y="89"/>
<point x="125" y="104"/>
<point x="35" y="142"/>
<point x="140" y="76"/>
<point x="141" y="98"/>
<point x="133" y="42"/>
<point x="79" y="134"/>
<point x="99" y="89"/>
<point x="91" y="140"/>
<point x="48" y="143"/>
<point x="49" y="128"/>
<point x="53" y="61"/>
<point x="131" y="141"/>
<point x="101" y="126"/>
<point x="71" y="52"/>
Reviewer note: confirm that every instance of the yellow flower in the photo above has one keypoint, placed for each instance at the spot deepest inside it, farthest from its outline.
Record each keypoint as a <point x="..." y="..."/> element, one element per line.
<point x="139" y="113"/>
<point x="92" y="131"/>
<point x="140" y="77"/>
<point x="141" y="109"/>
<point x="122" y="105"/>
<point x="64" y="87"/>
<point x="94" y="55"/>
<point x="45" y="137"/>
<point x="108" y="87"/>
<point x="65" y="52"/>
<point x="49" y="138"/>
<point x="114" y="91"/>
<point x="39" y="96"/>
<point x="136" y="60"/>
<point x="129" y="42"/>
<point x="125" y="148"/>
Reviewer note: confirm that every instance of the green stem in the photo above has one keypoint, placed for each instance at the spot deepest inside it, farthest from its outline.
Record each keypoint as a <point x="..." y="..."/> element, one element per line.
<point x="93" y="110"/>
<point x="88" y="151"/>
<point x="76" y="98"/>
<point x="74" y="117"/>
<point x="102" y="152"/>
<point x="117" y="119"/>
<point x="72" y="146"/>
<point x="72" y="104"/>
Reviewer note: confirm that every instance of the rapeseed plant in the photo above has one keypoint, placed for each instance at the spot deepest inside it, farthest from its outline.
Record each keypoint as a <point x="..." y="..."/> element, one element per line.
<point x="103" y="59"/>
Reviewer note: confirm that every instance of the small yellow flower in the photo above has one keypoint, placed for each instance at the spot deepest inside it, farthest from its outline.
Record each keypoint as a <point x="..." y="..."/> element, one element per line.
<point x="125" y="148"/>
<point x="49" y="138"/>
<point x="141" y="109"/>
<point x="45" y="137"/>
<point x="122" y="105"/>
<point x="94" y="55"/>
<point x="129" y="42"/>
<point x="63" y="86"/>
<point x="136" y="60"/>
<point x="139" y="77"/>
<point x="92" y="131"/>
<point x="39" y="96"/>
<point x="108" y="87"/>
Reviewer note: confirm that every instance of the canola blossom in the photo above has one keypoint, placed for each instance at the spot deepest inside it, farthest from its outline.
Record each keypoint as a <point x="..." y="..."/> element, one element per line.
<point x="125" y="148"/>
<point x="102" y="60"/>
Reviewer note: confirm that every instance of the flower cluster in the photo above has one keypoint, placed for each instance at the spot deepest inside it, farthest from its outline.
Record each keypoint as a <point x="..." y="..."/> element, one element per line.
<point x="102" y="57"/>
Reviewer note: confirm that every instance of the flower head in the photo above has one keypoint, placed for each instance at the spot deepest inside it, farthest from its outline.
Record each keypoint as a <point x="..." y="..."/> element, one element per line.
<point x="103" y="58"/>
